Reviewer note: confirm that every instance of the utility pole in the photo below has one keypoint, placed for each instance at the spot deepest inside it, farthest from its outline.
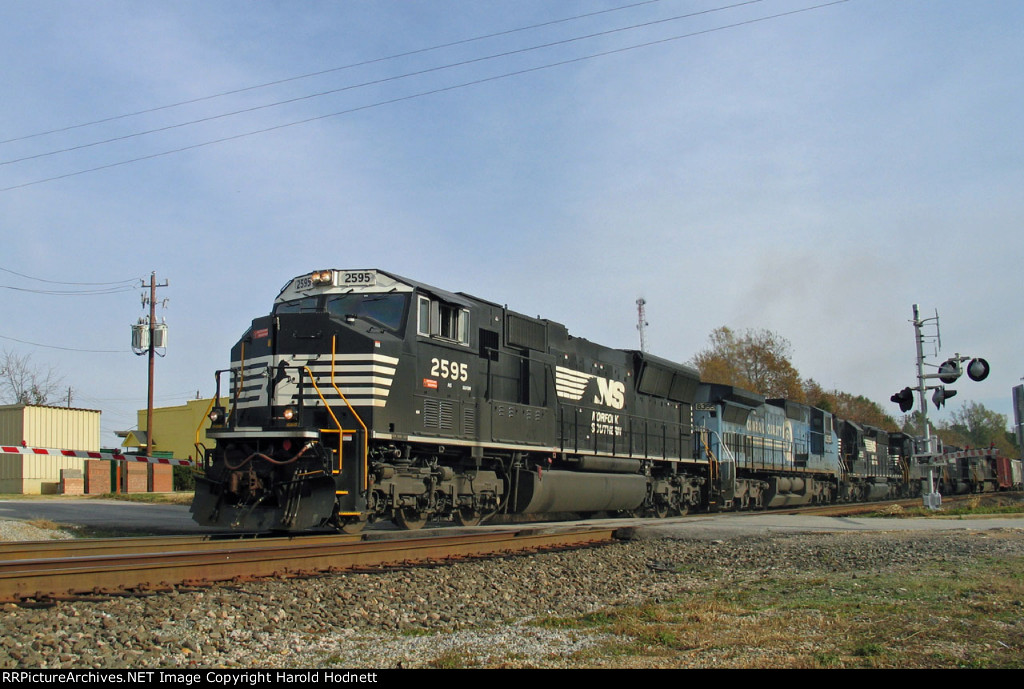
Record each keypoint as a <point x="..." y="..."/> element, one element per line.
<point x="147" y="336"/>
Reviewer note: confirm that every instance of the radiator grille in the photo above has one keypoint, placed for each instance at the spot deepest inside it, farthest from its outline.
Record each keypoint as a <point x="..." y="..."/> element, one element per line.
<point x="439" y="414"/>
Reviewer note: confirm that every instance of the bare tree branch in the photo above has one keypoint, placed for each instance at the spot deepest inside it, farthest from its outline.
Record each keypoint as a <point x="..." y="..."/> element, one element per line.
<point x="23" y="382"/>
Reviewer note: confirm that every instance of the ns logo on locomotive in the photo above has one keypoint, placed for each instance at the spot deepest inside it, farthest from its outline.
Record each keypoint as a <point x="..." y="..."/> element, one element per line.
<point x="364" y="396"/>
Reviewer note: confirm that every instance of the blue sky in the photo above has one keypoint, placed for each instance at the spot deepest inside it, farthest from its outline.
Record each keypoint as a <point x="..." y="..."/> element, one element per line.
<point x="815" y="174"/>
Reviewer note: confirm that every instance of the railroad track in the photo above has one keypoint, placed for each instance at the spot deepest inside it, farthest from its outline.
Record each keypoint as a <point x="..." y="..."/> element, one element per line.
<point x="57" y="569"/>
<point x="854" y="508"/>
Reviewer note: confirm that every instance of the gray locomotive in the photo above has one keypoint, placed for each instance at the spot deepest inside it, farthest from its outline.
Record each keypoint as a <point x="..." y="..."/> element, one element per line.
<point x="366" y="396"/>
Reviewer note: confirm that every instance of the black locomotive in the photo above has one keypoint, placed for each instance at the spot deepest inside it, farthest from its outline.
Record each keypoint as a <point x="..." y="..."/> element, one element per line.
<point x="366" y="396"/>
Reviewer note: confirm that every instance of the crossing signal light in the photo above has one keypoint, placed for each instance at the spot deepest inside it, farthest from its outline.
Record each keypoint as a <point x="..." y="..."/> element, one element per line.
<point x="949" y="371"/>
<point x="977" y="370"/>
<point x="941" y="395"/>
<point x="904" y="398"/>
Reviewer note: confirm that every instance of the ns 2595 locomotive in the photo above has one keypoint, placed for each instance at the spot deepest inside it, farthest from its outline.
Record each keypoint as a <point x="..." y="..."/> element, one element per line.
<point x="364" y="396"/>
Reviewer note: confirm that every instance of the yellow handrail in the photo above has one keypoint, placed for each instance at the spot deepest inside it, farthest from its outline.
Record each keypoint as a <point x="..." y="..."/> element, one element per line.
<point x="326" y="405"/>
<point x="241" y="373"/>
<point x="355" y="414"/>
<point x="199" y="429"/>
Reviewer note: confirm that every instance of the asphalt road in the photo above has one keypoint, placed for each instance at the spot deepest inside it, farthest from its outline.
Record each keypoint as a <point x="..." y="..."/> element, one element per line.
<point x="105" y="514"/>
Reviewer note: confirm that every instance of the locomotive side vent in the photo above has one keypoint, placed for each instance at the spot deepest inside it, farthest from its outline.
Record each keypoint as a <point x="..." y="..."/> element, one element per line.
<point x="439" y="414"/>
<point x="447" y="415"/>
<point x="431" y="413"/>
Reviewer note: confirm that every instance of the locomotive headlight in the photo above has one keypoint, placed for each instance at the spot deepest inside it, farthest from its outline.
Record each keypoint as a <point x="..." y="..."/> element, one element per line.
<point x="217" y="416"/>
<point x="322" y="277"/>
<point x="288" y="414"/>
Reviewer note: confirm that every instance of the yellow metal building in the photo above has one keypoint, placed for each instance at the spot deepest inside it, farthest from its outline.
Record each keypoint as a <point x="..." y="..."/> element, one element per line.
<point x="175" y="430"/>
<point x="59" y="428"/>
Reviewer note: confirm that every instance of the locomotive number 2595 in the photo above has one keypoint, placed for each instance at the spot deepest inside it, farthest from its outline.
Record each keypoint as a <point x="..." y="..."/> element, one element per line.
<point x="442" y="368"/>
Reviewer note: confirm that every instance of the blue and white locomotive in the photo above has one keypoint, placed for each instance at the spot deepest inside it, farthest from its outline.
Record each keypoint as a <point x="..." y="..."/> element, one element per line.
<point x="770" y="452"/>
<point x="776" y="452"/>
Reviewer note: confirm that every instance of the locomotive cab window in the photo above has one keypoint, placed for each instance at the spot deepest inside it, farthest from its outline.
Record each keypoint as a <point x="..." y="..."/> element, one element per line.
<point x="442" y="320"/>
<point x="304" y="305"/>
<point x="387" y="310"/>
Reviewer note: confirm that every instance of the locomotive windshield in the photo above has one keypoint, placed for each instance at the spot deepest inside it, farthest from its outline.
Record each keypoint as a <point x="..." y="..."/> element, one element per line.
<point x="304" y="305"/>
<point x="387" y="310"/>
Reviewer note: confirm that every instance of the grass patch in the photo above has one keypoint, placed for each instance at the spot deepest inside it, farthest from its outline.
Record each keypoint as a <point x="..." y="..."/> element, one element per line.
<point x="974" y="506"/>
<point x="46" y="524"/>
<point x="416" y="631"/>
<point x="964" y="614"/>
<point x="178" y="498"/>
<point x="163" y="498"/>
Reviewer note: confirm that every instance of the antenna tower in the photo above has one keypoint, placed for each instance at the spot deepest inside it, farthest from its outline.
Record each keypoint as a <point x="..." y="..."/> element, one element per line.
<point x="641" y="322"/>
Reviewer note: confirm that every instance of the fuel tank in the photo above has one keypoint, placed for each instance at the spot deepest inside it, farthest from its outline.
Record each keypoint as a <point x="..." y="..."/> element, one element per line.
<point x="577" y="491"/>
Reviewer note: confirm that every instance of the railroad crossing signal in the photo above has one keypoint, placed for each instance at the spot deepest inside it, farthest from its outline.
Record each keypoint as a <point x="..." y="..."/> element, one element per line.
<point x="949" y="371"/>
<point x="941" y="395"/>
<point x="977" y="370"/>
<point x="904" y="398"/>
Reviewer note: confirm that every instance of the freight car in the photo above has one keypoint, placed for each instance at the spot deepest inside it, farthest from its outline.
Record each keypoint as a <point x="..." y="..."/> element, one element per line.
<point x="976" y="471"/>
<point x="365" y="396"/>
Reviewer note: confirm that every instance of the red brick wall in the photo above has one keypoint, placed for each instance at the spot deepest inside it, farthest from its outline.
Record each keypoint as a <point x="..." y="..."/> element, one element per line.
<point x="97" y="476"/>
<point x="161" y="478"/>
<point x="72" y="482"/>
<point x="138" y="477"/>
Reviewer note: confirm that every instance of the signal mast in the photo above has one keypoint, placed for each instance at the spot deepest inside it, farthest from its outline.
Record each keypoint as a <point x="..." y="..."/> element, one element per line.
<point x="927" y="448"/>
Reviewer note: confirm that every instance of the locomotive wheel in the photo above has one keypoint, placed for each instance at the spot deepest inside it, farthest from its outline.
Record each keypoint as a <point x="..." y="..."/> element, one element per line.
<point x="409" y="518"/>
<point x="353" y="525"/>
<point x="467" y="516"/>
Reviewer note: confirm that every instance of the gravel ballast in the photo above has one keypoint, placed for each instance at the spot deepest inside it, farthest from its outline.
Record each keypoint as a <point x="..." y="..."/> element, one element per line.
<point x="410" y="618"/>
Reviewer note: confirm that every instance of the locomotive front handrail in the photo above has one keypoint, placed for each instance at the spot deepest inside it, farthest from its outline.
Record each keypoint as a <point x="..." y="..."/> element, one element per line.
<point x="355" y="415"/>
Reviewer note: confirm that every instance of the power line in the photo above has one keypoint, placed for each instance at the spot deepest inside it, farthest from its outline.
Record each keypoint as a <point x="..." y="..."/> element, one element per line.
<point x="422" y="94"/>
<point x="72" y="293"/>
<point x="363" y="63"/>
<point x="66" y="349"/>
<point x="375" y="82"/>
<point x="57" y="282"/>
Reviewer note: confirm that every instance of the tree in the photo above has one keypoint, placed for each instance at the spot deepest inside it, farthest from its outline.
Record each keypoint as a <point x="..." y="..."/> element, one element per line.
<point x="976" y="426"/>
<point x="757" y="360"/>
<point x="22" y="382"/>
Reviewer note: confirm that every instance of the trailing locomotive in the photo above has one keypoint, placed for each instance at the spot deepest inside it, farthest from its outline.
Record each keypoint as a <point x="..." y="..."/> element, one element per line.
<point x="365" y="396"/>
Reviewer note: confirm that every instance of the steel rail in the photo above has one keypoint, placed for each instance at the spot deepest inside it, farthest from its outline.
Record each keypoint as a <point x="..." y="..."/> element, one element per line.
<point x="15" y="550"/>
<point x="43" y="578"/>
